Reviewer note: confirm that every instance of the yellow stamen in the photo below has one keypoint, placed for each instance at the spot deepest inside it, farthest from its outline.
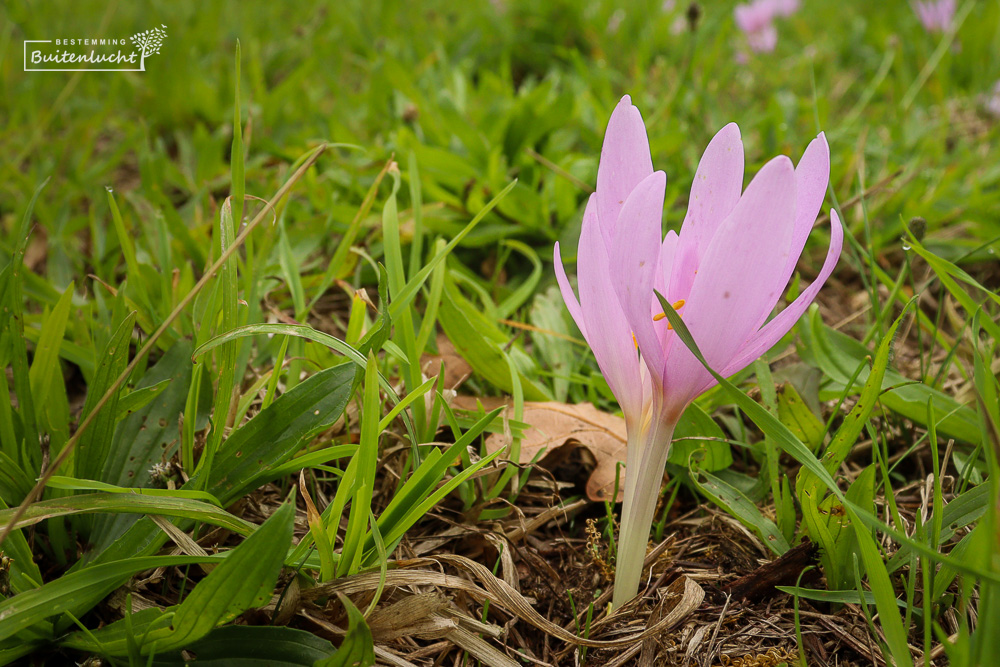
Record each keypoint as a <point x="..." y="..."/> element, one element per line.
<point x="635" y="342"/>
<point x="677" y="305"/>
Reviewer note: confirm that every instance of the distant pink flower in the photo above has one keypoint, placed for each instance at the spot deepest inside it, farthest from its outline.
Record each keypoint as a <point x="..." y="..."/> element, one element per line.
<point x="784" y="8"/>
<point x="935" y="15"/>
<point x="756" y="20"/>
<point x="991" y="101"/>
<point x="725" y="272"/>
<point x="615" y="21"/>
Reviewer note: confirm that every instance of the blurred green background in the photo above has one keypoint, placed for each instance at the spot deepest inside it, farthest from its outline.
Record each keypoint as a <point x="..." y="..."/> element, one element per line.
<point x="477" y="91"/>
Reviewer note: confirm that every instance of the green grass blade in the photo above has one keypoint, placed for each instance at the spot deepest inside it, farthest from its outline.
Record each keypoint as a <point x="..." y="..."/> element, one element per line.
<point x="94" y="445"/>
<point x="408" y="293"/>
<point x="245" y="579"/>
<point x="122" y="502"/>
<point x="358" y="648"/>
<point x="64" y="594"/>
<point x="735" y="502"/>
<point x="226" y="357"/>
<point x="363" y="483"/>
<point x="308" y="333"/>
<point x="47" y="386"/>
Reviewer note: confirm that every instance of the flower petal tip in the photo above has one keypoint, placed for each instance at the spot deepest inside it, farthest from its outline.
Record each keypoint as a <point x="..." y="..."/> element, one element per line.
<point x="781" y="164"/>
<point x="820" y="140"/>
<point x="728" y="139"/>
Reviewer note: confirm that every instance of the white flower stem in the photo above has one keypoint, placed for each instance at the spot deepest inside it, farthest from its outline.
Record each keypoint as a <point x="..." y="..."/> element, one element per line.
<point x="645" y="459"/>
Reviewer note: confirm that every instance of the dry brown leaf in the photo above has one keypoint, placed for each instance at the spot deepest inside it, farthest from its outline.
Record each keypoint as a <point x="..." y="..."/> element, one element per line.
<point x="684" y="590"/>
<point x="456" y="369"/>
<point x="413" y="616"/>
<point x="555" y="425"/>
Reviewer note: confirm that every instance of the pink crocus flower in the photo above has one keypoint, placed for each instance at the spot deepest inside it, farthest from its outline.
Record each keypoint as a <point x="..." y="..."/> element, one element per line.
<point x="935" y="15"/>
<point x="724" y="273"/>
<point x="991" y="101"/>
<point x="756" y="20"/>
<point x="784" y="7"/>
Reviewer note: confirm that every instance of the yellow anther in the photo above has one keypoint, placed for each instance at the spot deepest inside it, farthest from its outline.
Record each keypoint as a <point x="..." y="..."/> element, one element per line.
<point x="677" y="305"/>
<point x="634" y="341"/>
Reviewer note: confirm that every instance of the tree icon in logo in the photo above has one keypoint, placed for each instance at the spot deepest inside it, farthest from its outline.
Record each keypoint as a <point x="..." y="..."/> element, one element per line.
<point x="149" y="42"/>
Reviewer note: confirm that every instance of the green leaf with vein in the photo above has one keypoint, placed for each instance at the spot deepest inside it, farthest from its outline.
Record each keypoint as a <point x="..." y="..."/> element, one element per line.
<point x="230" y="645"/>
<point x="273" y="436"/>
<point x="307" y="332"/>
<point x="739" y="506"/>
<point x="245" y="579"/>
<point x="148" y="435"/>
<point x="248" y="456"/>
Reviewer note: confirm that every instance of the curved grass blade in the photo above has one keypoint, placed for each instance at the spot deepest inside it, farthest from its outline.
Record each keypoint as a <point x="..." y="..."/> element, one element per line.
<point x="307" y="332"/>
<point x="65" y="593"/>
<point x="74" y="484"/>
<point x="358" y="649"/>
<point x="245" y="579"/>
<point x="128" y="503"/>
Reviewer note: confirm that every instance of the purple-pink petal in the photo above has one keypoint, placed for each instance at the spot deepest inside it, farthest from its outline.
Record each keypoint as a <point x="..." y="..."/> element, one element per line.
<point x="812" y="175"/>
<point x="715" y="190"/>
<point x="607" y="329"/>
<point x="782" y="323"/>
<point x="567" y="291"/>
<point x="634" y="255"/>
<point x="738" y="278"/>
<point x="625" y="162"/>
